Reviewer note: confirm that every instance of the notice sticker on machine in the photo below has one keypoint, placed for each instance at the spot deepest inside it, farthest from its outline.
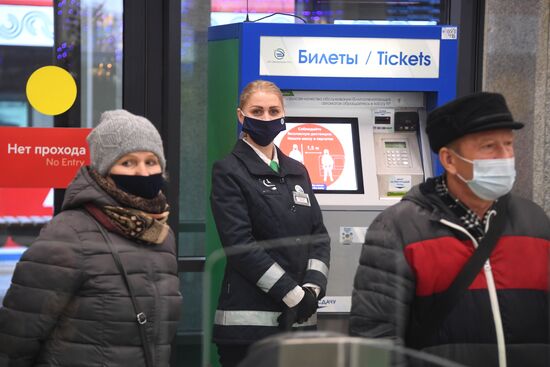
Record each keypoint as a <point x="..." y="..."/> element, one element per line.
<point x="352" y="235"/>
<point x="449" y="33"/>
<point x="383" y="120"/>
<point x="399" y="184"/>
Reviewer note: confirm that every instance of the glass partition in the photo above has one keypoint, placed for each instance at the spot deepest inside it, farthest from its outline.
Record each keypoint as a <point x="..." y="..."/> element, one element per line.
<point x="85" y="38"/>
<point x="301" y="346"/>
<point x="196" y="17"/>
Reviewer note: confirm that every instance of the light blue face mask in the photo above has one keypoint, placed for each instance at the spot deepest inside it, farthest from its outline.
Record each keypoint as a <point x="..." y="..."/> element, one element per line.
<point x="492" y="178"/>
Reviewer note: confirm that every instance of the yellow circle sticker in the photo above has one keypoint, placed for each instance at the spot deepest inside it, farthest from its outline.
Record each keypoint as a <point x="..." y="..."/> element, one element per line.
<point x="51" y="90"/>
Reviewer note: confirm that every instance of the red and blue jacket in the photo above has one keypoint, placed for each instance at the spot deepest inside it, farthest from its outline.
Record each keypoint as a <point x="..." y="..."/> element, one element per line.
<point x="412" y="253"/>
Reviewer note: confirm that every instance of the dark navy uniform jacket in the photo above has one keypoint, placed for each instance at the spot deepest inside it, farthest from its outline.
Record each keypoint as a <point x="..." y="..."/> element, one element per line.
<point x="273" y="242"/>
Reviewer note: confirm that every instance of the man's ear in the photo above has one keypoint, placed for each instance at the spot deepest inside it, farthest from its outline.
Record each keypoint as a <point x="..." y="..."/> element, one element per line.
<point x="448" y="160"/>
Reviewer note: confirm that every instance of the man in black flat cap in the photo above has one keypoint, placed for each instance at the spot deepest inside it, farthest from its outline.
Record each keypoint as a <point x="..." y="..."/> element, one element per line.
<point x="459" y="267"/>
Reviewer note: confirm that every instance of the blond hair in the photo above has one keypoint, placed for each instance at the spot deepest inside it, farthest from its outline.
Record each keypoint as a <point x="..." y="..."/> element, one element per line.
<point x="259" y="86"/>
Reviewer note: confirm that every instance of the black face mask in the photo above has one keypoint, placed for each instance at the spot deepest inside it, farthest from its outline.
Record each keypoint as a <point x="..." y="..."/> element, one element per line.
<point x="146" y="187"/>
<point x="263" y="132"/>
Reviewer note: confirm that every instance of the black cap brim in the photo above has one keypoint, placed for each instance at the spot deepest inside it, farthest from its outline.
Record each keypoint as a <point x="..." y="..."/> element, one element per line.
<point x="514" y="125"/>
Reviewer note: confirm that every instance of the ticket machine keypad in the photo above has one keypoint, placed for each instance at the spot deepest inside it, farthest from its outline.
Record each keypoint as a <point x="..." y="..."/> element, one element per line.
<point x="397" y="158"/>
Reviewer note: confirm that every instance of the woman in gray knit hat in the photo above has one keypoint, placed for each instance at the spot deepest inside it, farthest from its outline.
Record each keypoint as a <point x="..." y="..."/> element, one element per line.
<point x="99" y="286"/>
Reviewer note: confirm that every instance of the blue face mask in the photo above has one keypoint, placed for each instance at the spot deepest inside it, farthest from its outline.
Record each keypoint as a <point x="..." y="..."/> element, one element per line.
<point x="263" y="132"/>
<point x="147" y="187"/>
<point x="492" y="178"/>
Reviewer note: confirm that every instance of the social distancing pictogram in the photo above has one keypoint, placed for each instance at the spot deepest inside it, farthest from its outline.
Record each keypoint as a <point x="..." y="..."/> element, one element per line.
<point x="319" y="150"/>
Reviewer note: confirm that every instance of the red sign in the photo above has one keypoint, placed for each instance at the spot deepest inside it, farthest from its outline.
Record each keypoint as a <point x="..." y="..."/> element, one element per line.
<point x="27" y="2"/>
<point x="318" y="149"/>
<point x="254" y="6"/>
<point x="26" y="202"/>
<point x="41" y="157"/>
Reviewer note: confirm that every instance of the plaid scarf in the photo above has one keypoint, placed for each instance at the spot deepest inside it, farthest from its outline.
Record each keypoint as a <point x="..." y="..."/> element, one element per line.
<point x="136" y="218"/>
<point x="468" y="218"/>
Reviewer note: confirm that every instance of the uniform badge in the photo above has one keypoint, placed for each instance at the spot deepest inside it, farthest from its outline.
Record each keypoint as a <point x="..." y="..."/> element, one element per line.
<point x="301" y="198"/>
<point x="269" y="184"/>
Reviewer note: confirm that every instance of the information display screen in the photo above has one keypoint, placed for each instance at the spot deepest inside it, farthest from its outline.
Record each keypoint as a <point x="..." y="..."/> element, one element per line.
<point x="329" y="148"/>
<point x="395" y="144"/>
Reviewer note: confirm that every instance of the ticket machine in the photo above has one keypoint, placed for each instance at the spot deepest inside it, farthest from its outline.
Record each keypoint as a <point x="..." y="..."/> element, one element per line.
<point x="363" y="152"/>
<point x="356" y="101"/>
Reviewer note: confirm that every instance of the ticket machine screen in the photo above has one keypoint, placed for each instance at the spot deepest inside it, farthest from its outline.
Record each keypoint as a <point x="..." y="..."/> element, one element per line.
<point x="329" y="148"/>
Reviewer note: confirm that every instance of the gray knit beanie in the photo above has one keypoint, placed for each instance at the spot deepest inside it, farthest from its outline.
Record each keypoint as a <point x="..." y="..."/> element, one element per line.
<point x="118" y="133"/>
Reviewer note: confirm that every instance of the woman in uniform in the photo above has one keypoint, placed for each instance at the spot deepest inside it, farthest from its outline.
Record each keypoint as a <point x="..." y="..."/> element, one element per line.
<point x="271" y="229"/>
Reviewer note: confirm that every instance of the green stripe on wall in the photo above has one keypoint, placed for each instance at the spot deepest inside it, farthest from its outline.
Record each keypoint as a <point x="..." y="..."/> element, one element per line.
<point x="223" y="89"/>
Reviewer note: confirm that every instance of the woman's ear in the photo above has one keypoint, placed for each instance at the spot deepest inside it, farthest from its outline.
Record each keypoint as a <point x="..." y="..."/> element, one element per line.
<point x="240" y="115"/>
<point x="448" y="160"/>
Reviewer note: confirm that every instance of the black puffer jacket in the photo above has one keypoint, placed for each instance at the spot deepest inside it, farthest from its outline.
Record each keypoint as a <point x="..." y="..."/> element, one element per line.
<point x="411" y="255"/>
<point x="273" y="242"/>
<point x="68" y="304"/>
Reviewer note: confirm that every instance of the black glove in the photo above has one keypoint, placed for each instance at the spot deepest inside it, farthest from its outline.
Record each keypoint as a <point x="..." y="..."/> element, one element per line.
<point x="307" y="306"/>
<point x="287" y="318"/>
<point x="299" y="313"/>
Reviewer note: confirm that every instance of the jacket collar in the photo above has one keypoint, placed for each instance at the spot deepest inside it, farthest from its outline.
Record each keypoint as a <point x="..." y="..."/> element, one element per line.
<point x="425" y="196"/>
<point x="255" y="165"/>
